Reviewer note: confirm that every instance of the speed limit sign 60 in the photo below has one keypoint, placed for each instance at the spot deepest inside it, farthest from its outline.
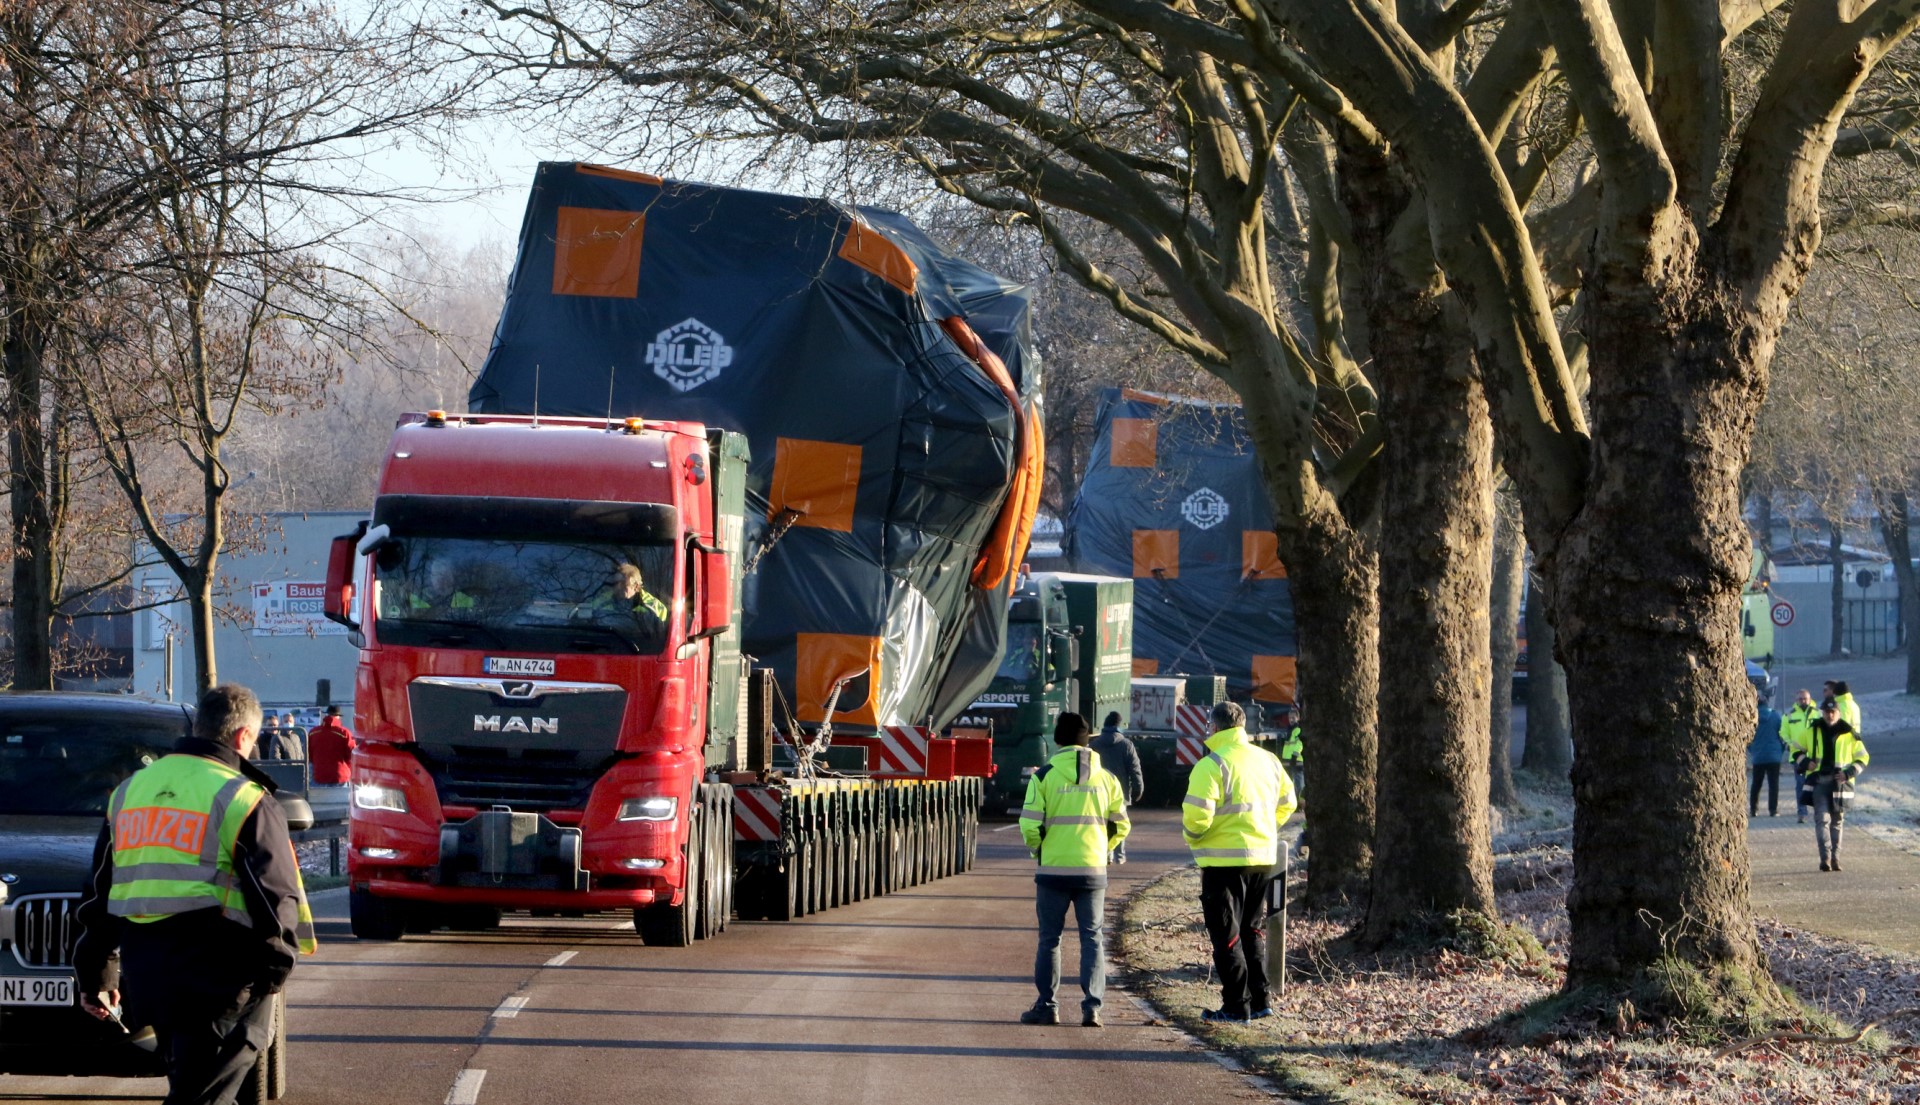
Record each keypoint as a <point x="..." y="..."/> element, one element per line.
<point x="1782" y="613"/>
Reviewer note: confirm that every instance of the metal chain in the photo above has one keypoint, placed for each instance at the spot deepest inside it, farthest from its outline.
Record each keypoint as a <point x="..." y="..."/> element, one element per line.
<point x="782" y="522"/>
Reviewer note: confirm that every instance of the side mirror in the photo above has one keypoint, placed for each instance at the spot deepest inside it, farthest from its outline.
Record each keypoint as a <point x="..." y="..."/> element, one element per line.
<point x="1059" y="657"/>
<point x="299" y="813"/>
<point x="716" y="593"/>
<point x="337" y="605"/>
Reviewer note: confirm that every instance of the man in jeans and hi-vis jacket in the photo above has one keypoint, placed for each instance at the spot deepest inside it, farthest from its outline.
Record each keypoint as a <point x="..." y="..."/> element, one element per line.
<point x="1073" y="818"/>
<point x="1238" y="796"/>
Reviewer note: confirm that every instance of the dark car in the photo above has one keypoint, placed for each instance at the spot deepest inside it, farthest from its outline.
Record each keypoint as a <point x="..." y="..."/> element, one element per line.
<point x="61" y="755"/>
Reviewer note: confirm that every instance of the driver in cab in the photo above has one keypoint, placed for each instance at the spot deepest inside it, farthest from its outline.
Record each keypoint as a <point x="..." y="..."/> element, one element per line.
<point x="625" y="593"/>
<point x="443" y="594"/>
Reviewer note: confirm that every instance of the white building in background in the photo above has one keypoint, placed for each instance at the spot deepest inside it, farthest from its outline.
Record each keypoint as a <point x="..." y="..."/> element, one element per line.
<point x="270" y="634"/>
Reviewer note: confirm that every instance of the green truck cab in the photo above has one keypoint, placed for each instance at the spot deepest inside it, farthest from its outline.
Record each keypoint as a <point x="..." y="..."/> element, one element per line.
<point x="1069" y="648"/>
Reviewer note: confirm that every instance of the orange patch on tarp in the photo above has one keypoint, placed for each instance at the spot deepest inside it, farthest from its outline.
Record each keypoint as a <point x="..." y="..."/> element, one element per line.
<point x="1156" y="550"/>
<point x="1273" y="678"/>
<point x="1145" y="665"/>
<point x="873" y="251"/>
<point x="1260" y="555"/>
<point x="597" y="252"/>
<point x="819" y="479"/>
<point x="1135" y="442"/>
<point x="823" y="659"/>
<point x="618" y="174"/>
<point x="1013" y="528"/>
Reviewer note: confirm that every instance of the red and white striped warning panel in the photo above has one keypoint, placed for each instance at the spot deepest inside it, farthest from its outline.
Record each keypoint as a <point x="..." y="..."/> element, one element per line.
<point x="1188" y="751"/>
<point x="1193" y="720"/>
<point x="756" y="814"/>
<point x="903" y="749"/>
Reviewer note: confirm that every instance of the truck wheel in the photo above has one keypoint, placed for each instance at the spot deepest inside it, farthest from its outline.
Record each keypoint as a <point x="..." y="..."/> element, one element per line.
<point x="729" y="874"/>
<point x="373" y="918"/>
<point x="676" y="926"/>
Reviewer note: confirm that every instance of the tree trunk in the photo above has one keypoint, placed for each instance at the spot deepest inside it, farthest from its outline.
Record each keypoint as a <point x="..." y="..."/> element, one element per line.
<point x="1647" y="606"/>
<point x="1549" y="747"/>
<point x="200" y="611"/>
<point x="33" y="517"/>
<point x="1896" y="517"/>
<point x="1335" y="580"/>
<point x="1837" y="562"/>
<point x="1432" y="853"/>
<point x="1509" y="566"/>
<point x="1432" y="856"/>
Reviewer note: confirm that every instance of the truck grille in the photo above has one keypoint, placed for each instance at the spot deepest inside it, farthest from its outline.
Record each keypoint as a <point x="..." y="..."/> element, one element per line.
<point x="532" y="780"/>
<point x="45" y="929"/>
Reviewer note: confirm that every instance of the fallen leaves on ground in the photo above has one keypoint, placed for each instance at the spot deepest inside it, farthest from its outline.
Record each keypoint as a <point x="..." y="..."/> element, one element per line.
<point x="1373" y="1029"/>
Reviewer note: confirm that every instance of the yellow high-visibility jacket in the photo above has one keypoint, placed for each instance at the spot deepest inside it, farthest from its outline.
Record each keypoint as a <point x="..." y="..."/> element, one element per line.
<point x="1237" y="799"/>
<point x="1074" y="815"/>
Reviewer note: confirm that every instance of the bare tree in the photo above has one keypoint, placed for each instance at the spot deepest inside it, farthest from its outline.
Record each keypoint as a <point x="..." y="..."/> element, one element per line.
<point x="83" y="169"/>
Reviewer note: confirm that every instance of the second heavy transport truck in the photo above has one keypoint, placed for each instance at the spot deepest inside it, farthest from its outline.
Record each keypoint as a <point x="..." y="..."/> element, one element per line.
<point x="1069" y="648"/>
<point x="712" y="422"/>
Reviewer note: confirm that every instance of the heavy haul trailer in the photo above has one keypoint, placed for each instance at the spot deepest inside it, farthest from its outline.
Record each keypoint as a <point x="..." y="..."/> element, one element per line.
<point x="552" y="706"/>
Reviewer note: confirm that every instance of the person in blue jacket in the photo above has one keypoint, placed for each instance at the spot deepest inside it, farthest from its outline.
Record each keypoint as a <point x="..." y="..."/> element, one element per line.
<point x="1766" y="751"/>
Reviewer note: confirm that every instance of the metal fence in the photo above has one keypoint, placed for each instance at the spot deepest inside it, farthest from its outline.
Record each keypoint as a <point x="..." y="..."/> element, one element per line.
<point x="1870" y="627"/>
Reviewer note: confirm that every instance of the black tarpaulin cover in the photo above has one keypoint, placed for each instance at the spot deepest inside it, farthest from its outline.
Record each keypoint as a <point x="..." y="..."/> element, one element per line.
<point x="1172" y="497"/>
<point x="823" y="333"/>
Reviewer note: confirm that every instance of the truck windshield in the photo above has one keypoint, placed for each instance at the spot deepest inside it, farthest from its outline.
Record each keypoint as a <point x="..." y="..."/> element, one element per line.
<point x="1022" y="660"/>
<point x="549" y="596"/>
<point x="68" y="765"/>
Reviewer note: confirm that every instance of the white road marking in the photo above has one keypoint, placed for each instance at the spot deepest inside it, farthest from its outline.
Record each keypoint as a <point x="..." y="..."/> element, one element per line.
<point x="466" y="1087"/>
<point x="1007" y="828"/>
<point x="511" y="1007"/>
<point x="560" y="960"/>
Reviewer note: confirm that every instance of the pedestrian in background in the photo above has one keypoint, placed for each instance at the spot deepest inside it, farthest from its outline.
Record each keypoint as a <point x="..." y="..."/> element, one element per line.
<point x="1238" y="796"/>
<point x="1765" y="751"/>
<point x="1834" y="759"/>
<point x="1120" y="758"/>
<point x="1849" y="709"/>
<point x="1073" y="817"/>
<point x="195" y="883"/>
<point x="1293" y="754"/>
<point x="281" y="741"/>
<point x="330" y="751"/>
<point x="1795" y="729"/>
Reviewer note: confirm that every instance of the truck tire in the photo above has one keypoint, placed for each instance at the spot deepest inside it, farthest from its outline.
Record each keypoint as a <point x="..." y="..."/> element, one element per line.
<point x="676" y="926"/>
<point x="729" y="874"/>
<point x="374" y="918"/>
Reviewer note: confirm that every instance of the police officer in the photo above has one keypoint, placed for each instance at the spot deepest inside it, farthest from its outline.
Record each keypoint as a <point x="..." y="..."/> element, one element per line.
<point x="1238" y="796"/>
<point x="195" y="882"/>
<point x="1074" y="815"/>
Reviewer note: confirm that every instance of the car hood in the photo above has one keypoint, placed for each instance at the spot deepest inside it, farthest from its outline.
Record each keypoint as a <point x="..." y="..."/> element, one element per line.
<point x="46" y="855"/>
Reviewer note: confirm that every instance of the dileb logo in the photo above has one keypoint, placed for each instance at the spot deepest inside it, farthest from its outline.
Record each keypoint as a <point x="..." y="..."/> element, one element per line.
<point x="688" y="354"/>
<point x="1204" y="508"/>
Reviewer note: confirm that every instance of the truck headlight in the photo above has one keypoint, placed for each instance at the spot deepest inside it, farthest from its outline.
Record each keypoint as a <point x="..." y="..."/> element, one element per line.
<point x="373" y="796"/>
<point x="649" y="809"/>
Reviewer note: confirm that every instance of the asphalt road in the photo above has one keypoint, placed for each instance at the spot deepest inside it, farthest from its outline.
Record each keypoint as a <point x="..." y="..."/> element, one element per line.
<point x="907" y="998"/>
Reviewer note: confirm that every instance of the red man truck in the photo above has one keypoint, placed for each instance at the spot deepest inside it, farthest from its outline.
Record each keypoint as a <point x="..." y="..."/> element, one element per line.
<point x="553" y="709"/>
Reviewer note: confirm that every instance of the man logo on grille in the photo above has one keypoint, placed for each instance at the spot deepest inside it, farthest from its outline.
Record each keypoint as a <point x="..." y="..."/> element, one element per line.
<point x="688" y="354"/>
<point x="517" y="688"/>
<point x="1204" y="508"/>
